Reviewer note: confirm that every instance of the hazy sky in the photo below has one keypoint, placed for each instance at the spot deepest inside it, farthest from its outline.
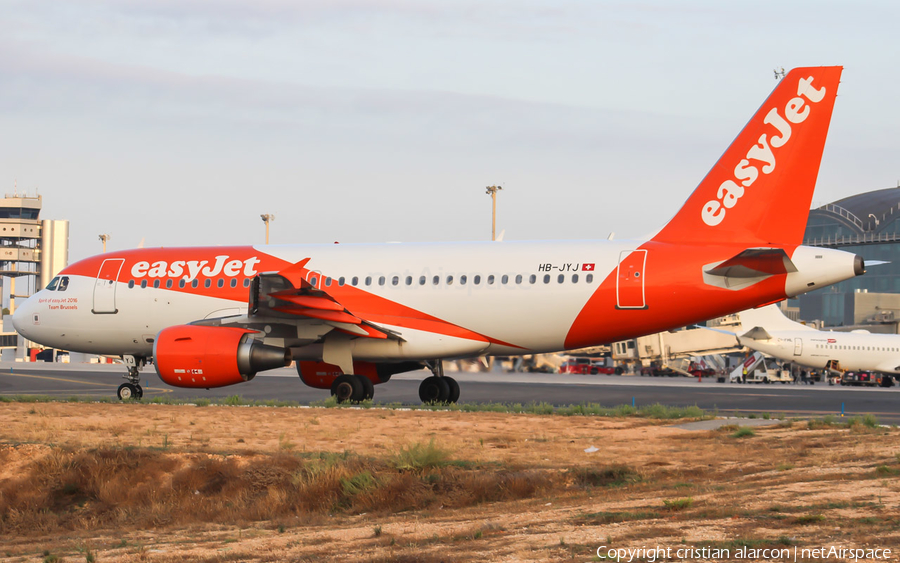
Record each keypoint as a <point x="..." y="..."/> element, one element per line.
<point x="181" y="121"/>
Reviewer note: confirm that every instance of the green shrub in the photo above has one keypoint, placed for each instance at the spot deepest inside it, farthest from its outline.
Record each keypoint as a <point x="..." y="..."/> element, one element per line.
<point x="677" y="505"/>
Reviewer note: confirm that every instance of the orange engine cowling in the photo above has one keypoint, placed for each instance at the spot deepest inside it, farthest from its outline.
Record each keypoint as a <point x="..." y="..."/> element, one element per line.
<point x="212" y="356"/>
<point x="321" y="375"/>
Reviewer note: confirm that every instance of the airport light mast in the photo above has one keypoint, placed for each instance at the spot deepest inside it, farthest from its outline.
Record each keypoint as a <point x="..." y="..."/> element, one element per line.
<point x="492" y="191"/>
<point x="104" y="238"/>
<point x="267" y="217"/>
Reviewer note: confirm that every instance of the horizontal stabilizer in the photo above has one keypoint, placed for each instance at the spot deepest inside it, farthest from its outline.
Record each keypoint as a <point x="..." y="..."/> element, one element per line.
<point x="757" y="333"/>
<point x="755" y="262"/>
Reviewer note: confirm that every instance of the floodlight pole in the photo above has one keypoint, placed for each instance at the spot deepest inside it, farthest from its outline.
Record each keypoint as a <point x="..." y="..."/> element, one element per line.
<point x="492" y="191"/>
<point x="266" y="217"/>
<point x="104" y="238"/>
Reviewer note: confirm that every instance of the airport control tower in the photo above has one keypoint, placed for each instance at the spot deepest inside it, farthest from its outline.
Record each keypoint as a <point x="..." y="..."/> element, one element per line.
<point x="32" y="251"/>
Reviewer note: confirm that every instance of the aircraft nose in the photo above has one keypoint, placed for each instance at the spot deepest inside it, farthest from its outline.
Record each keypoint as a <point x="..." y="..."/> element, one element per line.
<point x="21" y="319"/>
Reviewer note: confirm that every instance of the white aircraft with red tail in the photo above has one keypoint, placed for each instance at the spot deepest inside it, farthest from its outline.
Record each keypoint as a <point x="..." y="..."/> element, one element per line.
<point x="767" y="330"/>
<point x="352" y="315"/>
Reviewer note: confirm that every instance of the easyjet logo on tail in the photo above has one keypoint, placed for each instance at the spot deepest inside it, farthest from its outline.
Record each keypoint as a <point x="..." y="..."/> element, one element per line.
<point x="747" y="171"/>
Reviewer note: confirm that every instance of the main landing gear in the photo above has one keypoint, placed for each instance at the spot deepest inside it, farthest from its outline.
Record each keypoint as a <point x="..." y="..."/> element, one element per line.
<point x="132" y="389"/>
<point x="352" y="388"/>
<point x="438" y="388"/>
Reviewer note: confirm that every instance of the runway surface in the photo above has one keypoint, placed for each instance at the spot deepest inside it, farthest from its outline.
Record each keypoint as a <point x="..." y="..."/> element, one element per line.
<point x="92" y="380"/>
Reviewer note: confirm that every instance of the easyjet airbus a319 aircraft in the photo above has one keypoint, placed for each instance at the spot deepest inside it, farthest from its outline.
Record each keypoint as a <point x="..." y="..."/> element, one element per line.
<point x="352" y="315"/>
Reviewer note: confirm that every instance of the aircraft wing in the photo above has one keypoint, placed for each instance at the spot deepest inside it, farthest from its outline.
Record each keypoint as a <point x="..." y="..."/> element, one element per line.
<point x="285" y="305"/>
<point x="296" y="294"/>
<point x="301" y="306"/>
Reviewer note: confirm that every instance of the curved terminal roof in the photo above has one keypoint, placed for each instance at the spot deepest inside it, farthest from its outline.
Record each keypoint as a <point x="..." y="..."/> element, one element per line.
<point x="870" y="212"/>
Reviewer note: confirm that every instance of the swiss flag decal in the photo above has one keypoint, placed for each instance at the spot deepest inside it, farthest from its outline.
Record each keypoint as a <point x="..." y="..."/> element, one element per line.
<point x="587" y="268"/>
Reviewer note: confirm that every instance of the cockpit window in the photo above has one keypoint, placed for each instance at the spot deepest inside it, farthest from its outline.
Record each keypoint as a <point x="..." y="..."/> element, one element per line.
<point x="63" y="283"/>
<point x="53" y="283"/>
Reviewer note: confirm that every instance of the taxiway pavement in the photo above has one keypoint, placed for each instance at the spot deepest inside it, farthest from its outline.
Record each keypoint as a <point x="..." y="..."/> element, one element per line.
<point x="93" y="380"/>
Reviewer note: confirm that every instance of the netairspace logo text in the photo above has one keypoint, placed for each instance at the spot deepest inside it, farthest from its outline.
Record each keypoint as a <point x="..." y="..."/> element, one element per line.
<point x="796" y="553"/>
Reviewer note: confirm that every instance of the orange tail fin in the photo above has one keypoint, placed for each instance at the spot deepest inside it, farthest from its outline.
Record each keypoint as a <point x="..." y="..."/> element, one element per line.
<point x="760" y="190"/>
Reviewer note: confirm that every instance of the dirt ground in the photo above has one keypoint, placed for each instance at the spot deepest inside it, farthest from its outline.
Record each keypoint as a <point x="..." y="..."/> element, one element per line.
<point x="490" y="486"/>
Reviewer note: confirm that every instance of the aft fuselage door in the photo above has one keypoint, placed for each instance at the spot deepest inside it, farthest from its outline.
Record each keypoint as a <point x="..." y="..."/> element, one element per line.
<point x="630" y="280"/>
<point x="798" y="346"/>
<point x="105" y="287"/>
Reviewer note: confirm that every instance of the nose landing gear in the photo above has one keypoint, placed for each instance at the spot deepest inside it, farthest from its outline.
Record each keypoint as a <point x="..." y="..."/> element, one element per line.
<point x="132" y="389"/>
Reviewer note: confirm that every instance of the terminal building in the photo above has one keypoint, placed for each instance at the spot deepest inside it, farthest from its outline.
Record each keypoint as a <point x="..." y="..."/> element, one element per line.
<point x="867" y="224"/>
<point x="32" y="252"/>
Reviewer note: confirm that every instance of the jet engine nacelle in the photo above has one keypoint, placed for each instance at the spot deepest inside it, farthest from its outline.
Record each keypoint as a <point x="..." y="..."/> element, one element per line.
<point x="212" y="356"/>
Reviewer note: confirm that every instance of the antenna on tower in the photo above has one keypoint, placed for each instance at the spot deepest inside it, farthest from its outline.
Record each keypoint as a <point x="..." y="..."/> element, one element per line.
<point x="779" y="73"/>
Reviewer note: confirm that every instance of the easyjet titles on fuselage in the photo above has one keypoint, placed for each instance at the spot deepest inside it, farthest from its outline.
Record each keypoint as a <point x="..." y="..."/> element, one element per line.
<point x="729" y="192"/>
<point x="190" y="269"/>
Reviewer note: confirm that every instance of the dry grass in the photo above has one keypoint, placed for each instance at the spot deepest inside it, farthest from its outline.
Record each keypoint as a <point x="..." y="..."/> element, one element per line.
<point x="179" y="483"/>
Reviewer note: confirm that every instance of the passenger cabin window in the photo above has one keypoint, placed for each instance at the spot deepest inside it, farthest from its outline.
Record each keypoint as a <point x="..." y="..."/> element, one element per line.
<point x="207" y="283"/>
<point x="589" y="278"/>
<point x="233" y="282"/>
<point x="131" y="284"/>
<point x="436" y="280"/>
<point x="144" y="283"/>
<point x="368" y="280"/>
<point x="355" y="281"/>
<point x="341" y="281"/>
<point x="490" y="279"/>
<point x="449" y="280"/>
<point x="546" y="278"/>
<point x="220" y="282"/>
<point x="246" y="282"/>
<point x="408" y="280"/>
<point x="194" y="284"/>
<point x="462" y="279"/>
<point x="155" y="284"/>
<point x="518" y="278"/>
<point x="422" y="280"/>
<point x="381" y="280"/>
<point x="574" y="278"/>
<point x="395" y="280"/>
<point x="532" y="278"/>
<point x="169" y="284"/>
<point x="476" y="280"/>
<point x="181" y="284"/>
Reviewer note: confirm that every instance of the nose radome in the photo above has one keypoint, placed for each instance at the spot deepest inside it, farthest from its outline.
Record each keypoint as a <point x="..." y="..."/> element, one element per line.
<point x="21" y="319"/>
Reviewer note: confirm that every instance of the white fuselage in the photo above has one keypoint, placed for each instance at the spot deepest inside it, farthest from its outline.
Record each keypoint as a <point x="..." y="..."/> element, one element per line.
<point x="817" y="348"/>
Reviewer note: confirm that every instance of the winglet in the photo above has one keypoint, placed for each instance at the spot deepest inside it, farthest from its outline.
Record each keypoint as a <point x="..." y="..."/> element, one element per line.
<point x="760" y="190"/>
<point x="296" y="274"/>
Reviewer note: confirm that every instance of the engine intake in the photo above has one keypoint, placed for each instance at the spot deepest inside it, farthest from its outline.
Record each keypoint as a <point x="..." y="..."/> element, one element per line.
<point x="212" y="356"/>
